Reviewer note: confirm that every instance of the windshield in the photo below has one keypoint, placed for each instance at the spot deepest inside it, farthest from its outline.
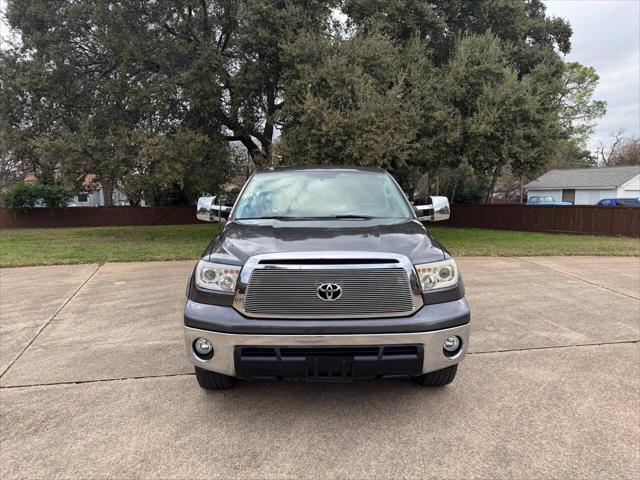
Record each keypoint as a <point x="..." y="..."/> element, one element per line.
<point x="542" y="199"/>
<point x="322" y="194"/>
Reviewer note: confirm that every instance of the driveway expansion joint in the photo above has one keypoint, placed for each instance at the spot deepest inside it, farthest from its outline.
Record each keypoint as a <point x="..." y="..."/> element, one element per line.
<point x="98" y="380"/>
<point x="57" y="312"/>
<point x="554" y="347"/>
<point x="575" y="277"/>
<point x="170" y="375"/>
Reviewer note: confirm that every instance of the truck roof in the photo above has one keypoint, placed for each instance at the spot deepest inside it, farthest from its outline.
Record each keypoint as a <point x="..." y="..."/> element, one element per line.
<point x="321" y="167"/>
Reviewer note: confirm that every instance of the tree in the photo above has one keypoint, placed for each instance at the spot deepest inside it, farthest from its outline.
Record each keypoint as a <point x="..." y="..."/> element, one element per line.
<point x="507" y="121"/>
<point x="526" y="43"/>
<point x="110" y="70"/>
<point x="578" y="110"/>
<point x="570" y="153"/>
<point x="441" y="23"/>
<point x="180" y="164"/>
<point x="10" y="171"/>
<point x="29" y="112"/>
<point x="74" y="106"/>
<point x="627" y="152"/>
<point x="151" y="95"/>
<point x="350" y="107"/>
<point x="621" y="151"/>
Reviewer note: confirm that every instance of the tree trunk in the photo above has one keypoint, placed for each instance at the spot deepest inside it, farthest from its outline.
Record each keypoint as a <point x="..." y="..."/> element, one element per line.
<point x="107" y="193"/>
<point x="492" y="185"/>
<point x="258" y="159"/>
<point x="521" y="188"/>
<point x="428" y="185"/>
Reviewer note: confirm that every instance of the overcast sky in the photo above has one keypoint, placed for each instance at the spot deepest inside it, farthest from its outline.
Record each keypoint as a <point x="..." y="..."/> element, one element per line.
<point x="606" y="36"/>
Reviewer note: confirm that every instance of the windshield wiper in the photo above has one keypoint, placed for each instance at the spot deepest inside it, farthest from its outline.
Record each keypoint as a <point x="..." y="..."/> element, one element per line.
<point x="272" y="217"/>
<point x="360" y="217"/>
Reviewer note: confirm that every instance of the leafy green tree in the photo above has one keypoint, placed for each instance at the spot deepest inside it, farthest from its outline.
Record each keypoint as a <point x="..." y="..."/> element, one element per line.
<point x="578" y="109"/>
<point x="570" y="153"/>
<point x="352" y="107"/>
<point x="525" y="43"/>
<point x="507" y="121"/>
<point x="154" y="96"/>
<point x="179" y="165"/>
<point x="30" y="112"/>
<point x="92" y="75"/>
<point x="366" y="100"/>
<point x="228" y="62"/>
<point x="73" y="107"/>
<point x="441" y="23"/>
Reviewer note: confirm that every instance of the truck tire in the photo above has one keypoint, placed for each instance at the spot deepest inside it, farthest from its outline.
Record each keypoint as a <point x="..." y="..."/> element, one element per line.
<point x="214" y="381"/>
<point x="439" y="378"/>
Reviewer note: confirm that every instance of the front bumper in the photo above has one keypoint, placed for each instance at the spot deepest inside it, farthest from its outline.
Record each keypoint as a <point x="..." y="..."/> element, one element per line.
<point x="226" y="319"/>
<point x="224" y="345"/>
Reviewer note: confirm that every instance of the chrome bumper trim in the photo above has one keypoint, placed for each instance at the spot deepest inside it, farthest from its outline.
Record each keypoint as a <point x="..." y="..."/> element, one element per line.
<point x="224" y="344"/>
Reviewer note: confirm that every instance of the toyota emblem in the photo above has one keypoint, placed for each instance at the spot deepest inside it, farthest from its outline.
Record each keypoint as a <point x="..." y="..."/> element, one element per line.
<point x="329" y="292"/>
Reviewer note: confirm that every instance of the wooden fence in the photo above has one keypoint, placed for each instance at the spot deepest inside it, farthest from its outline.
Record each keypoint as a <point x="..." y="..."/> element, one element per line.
<point x="98" y="217"/>
<point x="586" y="219"/>
<point x="596" y="220"/>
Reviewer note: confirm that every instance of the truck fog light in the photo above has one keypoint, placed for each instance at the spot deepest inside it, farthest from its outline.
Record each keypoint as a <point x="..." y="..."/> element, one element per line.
<point x="451" y="345"/>
<point x="203" y="348"/>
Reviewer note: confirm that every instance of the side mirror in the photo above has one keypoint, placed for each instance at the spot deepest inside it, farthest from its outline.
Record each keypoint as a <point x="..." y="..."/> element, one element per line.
<point x="208" y="211"/>
<point x="436" y="212"/>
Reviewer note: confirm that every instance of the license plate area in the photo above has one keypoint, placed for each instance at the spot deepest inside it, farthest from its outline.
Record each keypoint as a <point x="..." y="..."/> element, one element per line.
<point x="328" y="363"/>
<point x="329" y="369"/>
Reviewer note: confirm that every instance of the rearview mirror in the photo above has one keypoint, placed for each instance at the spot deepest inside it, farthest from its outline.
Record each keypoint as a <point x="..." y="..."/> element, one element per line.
<point x="208" y="211"/>
<point x="436" y="212"/>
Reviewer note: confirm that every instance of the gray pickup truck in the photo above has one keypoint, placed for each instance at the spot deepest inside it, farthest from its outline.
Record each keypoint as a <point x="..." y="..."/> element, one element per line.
<point x="324" y="274"/>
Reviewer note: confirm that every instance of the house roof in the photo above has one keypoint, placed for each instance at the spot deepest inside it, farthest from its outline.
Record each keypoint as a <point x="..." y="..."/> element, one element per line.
<point x="30" y="178"/>
<point x="606" y="177"/>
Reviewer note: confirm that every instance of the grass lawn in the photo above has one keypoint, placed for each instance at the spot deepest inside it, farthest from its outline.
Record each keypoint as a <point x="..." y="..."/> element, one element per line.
<point x="181" y="242"/>
<point x="51" y="246"/>
<point x="504" y="243"/>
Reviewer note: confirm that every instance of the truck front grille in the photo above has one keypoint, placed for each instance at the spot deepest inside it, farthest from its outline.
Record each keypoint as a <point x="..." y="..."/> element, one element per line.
<point x="293" y="293"/>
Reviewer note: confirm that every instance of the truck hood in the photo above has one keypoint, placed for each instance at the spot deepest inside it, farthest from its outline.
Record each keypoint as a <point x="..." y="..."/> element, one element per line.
<point x="244" y="239"/>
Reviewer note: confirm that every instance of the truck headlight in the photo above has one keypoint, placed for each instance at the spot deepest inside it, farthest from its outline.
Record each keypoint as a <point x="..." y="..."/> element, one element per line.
<point x="216" y="277"/>
<point x="436" y="275"/>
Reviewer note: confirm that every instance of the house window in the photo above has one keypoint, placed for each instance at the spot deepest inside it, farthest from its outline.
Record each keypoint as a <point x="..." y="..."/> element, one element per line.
<point x="83" y="197"/>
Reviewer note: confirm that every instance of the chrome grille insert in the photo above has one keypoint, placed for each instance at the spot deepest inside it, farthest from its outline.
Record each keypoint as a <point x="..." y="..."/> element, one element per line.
<point x="289" y="290"/>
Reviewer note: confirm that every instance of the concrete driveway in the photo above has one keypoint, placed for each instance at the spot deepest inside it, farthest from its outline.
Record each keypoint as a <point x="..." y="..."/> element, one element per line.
<point x="95" y="383"/>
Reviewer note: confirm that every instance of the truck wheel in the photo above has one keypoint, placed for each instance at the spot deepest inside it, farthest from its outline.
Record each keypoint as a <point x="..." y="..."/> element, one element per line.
<point x="214" y="381"/>
<point x="439" y="378"/>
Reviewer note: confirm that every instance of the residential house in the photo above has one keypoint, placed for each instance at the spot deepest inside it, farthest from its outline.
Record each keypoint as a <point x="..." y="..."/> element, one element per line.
<point x="93" y="196"/>
<point x="587" y="186"/>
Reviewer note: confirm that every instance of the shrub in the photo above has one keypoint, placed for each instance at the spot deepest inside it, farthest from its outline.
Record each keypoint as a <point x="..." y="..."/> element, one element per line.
<point x="55" y="196"/>
<point x="23" y="196"/>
